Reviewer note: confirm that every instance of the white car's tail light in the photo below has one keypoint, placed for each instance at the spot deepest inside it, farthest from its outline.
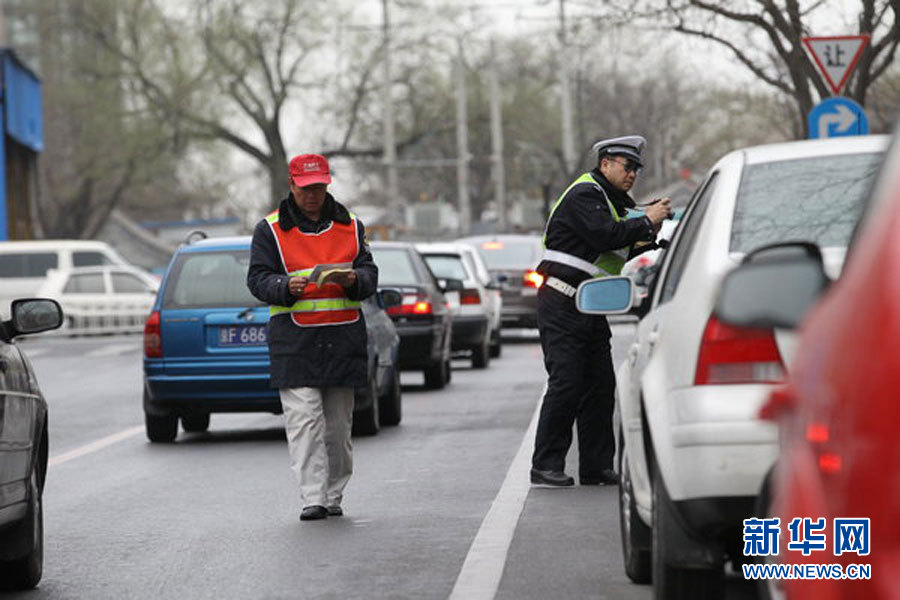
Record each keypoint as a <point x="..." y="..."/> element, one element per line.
<point x="731" y="354"/>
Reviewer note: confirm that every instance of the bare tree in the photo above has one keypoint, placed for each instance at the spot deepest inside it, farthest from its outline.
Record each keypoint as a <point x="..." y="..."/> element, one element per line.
<point x="771" y="42"/>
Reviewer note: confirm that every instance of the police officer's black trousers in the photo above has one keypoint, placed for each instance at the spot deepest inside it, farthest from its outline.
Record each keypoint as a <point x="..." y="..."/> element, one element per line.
<point x="580" y="388"/>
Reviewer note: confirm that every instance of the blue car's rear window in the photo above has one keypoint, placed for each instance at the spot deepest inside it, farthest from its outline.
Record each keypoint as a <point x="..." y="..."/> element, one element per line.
<point x="209" y="279"/>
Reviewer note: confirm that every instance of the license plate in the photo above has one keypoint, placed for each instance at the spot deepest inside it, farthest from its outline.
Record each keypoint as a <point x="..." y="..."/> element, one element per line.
<point x="242" y="335"/>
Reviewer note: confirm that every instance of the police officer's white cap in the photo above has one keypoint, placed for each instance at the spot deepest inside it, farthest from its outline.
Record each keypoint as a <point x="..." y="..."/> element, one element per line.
<point x="629" y="145"/>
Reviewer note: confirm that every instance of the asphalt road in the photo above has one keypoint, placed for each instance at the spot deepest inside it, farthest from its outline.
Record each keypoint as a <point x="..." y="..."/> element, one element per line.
<point x="215" y="515"/>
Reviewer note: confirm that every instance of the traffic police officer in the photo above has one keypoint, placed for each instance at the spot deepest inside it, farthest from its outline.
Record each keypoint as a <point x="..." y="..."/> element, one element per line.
<point x="587" y="235"/>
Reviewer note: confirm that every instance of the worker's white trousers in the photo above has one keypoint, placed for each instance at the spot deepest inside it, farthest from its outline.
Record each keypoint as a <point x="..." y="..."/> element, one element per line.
<point x="318" y="422"/>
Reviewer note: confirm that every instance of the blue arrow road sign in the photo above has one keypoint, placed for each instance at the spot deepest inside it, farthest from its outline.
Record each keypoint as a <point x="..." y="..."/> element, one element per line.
<point x="837" y="116"/>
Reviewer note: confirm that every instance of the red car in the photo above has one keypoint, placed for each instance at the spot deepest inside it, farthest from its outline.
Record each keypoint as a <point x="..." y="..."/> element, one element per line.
<point x="839" y="412"/>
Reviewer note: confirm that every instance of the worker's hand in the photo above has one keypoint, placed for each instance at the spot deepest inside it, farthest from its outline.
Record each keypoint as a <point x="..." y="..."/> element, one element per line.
<point x="296" y="285"/>
<point x="659" y="210"/>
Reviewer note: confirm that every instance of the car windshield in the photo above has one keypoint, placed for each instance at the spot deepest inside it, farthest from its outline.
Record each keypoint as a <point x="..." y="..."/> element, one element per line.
<point x="210" y="280"/>
<point x="446" y="266"/>
<point x="815" y="199"/>
<point x="394" y="266"/>
<point x="510" y="254"/>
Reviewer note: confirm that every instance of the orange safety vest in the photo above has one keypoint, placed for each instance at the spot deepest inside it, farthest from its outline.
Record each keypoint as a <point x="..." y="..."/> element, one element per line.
<point x="300" y="253"/>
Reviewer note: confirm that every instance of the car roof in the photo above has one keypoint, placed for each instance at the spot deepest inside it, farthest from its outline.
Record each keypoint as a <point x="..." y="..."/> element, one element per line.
<point x="444" y="247"/>
<point x="241" y="242"/>
<point x="385" y="244"/>
<point x="6" y="246"/>
<point x="501" y="237"/>
<point x="821" y="147"/>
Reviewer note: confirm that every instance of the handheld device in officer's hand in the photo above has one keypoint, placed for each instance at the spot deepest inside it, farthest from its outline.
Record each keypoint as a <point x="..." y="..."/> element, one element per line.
<point x="671" y="214"/>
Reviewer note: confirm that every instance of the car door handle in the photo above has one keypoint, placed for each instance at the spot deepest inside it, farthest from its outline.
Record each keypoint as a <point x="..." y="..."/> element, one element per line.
<point x="633" y="354"/>
<point x="653" y="338"/>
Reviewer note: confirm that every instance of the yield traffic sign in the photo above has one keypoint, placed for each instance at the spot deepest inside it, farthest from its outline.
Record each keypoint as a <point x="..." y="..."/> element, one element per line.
<point x="836" y="57"/>
<point x="836" y="117"/>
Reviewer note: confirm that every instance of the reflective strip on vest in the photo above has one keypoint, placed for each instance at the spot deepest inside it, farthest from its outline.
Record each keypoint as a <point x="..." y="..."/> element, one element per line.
<point x="315" y="305"/>
<point x="609" y="262"/>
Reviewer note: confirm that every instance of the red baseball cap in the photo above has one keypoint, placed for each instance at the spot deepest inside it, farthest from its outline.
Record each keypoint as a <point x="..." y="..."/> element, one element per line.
<point x="307" y="169"/>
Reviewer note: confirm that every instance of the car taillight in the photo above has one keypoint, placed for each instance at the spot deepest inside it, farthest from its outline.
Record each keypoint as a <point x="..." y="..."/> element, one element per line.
<point x="411" y="305"/>
<point x="532" y="279"/>
<point x="737" y="355"/>
<point x="152" y="337"/>
<point x="469" y="297"/>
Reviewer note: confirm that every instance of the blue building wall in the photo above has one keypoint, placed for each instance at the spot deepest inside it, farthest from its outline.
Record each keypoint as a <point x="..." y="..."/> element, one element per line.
<point x="21" y="119"/>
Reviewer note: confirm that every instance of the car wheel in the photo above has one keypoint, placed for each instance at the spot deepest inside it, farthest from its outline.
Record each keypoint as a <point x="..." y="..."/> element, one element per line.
<point x="25" y="541"/>
<point x="436" y="376"/>
<point x="161" y="429"/>
<point x="392" y="402"/>
<point x="670" y="580"/>
<point x="195" y="423"/>
<point x="496" y="344"/>
<point x="636" y="535"/>
<point x="481" y="356"/>
<point x="366" y="421"/>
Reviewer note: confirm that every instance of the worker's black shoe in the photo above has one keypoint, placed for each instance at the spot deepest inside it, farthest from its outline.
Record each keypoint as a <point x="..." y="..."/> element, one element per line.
<point x="551" y="479"/>
<point x="313" y="513"/>
<point x="606" y="477"/>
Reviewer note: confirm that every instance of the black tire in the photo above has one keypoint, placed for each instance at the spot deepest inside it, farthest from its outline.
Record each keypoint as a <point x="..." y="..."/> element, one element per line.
<point x="671" y="581"/>
<point x="437" y="375"/>
<point x="496" y="344"/>
<point x="161" y="430"/>
<point x="195" y="423"/>
<point x="481" y="356"/>
<point x="26" y="539"/>
<point x="367" y="421"/>
<point x="392" y="402"/>
<point x="636" y="536"/>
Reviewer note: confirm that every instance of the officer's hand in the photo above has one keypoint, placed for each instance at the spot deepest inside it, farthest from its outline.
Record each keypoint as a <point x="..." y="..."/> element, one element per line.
<point x="296" y="285"/>
<point x="659" y="210"/>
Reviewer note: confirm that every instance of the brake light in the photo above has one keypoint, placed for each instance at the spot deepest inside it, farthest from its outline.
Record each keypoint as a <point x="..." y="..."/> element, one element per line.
<point x="469" y="297"/>
<point x="412" y="305"/>
<point x="737" y="355"/>
<point x="492" y="245"/>
<point x="152" y="336"/>
<point x="532" y="279"/>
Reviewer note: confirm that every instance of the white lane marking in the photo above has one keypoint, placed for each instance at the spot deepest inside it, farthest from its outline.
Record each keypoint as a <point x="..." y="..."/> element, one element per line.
<point x="482" y="570"/>
<point x="94" y="446"/>
<point x="114" y="349"/>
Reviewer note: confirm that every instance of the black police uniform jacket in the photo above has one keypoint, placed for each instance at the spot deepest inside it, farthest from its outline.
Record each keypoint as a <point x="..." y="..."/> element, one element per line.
<point x="583" y="226"/>
<point x="333" y="355"/>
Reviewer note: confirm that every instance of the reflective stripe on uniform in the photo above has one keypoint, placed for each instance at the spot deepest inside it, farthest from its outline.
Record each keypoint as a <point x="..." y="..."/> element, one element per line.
<point x="315" y="305"/>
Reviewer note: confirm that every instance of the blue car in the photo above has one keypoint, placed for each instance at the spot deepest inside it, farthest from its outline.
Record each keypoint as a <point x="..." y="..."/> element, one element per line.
<point x="205" y="347"/>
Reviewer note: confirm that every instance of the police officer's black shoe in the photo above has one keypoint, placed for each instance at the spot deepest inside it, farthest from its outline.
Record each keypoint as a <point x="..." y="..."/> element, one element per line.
<point x="335" y="511"/>
<point x="607" y="477"/>
<point x="313" y="513"/>
<point x="551" y="479"/>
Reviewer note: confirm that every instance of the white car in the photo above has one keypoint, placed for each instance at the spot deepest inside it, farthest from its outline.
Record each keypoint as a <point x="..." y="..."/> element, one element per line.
<point x="476" y="308"/>
<point x="692" y="452"/>
<point x="108" y="299"/>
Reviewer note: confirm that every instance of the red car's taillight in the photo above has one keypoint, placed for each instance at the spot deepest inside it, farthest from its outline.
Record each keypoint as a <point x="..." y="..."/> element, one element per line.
<point x="152" y="337"/>
<point x="412" y="305"/>
<point x="737" y="355"/>
<point x="532" y="279"/>
<point x="469" y="297"/>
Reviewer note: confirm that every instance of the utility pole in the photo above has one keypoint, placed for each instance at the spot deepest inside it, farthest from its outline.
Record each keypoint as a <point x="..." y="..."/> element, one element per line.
<point x="499" y="173"/>
<point x="568" y="146"/>
<point x="462" y="145"/>
<point x="395" y="205"/>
